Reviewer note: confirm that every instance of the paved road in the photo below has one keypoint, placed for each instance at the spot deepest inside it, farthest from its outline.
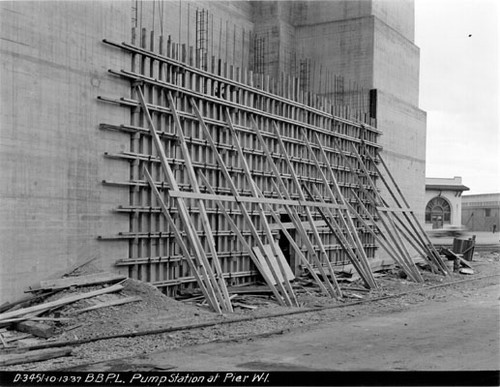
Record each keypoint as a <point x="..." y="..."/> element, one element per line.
<point x="458" y="333"/>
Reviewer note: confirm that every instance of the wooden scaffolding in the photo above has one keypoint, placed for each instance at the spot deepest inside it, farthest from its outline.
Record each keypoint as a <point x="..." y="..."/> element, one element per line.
<point x="230" y="182"/>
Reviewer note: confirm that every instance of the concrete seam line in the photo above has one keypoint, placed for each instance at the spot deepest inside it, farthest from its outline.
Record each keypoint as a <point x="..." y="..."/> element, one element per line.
<point x="252" y="318"/>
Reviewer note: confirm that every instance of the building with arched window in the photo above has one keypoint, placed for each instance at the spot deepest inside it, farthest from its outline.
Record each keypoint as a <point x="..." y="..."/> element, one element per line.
<point x="443" y="198"/>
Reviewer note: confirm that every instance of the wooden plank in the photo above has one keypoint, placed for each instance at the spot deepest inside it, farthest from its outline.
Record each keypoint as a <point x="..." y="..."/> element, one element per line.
<point x="251" y="199"/>
<point x="60" y="302"/>
<point x="32" y="317"/>
<point x="394" y="209"/>
<point x="291" y="225"/>
<point x="289" y="276"/>
<point x="273" y="259"/>
<point x="31" y="298"/>
<point x="34" y="356"/>
<point x="265" y="267"/>
<point x="122" y="301"/>
<point x="66" y="271"/>
<point x="4" y="343"/>
<point x="84" y="280"/>
<point x="38" y="329"/>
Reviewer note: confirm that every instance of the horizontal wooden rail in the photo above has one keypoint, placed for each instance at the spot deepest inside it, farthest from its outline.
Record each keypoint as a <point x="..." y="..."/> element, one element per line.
<point x="233" y="105"/>
<point x="137" y="50"/>
<point x="248" y="151"/>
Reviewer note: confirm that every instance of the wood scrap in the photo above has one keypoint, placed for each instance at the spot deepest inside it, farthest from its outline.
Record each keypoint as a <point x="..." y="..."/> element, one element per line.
<point x="17" y="338"/>
<point x="4" y="343"/>
<point x="241" y="305"/>
<point x="63" y="301"/>
<point x="30" y="317"/>
<point x="24" y="300"/>
<point x="354" y="295"/>
<point x="35" y="328"/>
<point x="273" y="260"/>
<point x="66" y="271"/>
<point x="191" y="299"/>
<point x="251" y="290"/>
<point x="291" y="225"/>
<point x="356" y="289"/>
<point x="84" y="280"/>
<point x="73" y="327"/>
<point x="111" y="303"/>
<point x="34" y="356"/>
<point x="451" y="255"/>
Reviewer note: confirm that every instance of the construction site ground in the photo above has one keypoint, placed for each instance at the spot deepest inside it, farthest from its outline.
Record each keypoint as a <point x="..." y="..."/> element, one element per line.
<point x="159" y="323"/>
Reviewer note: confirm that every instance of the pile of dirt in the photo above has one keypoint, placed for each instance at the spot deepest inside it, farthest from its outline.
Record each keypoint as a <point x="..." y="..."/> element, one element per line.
<point x="153" y="311"/>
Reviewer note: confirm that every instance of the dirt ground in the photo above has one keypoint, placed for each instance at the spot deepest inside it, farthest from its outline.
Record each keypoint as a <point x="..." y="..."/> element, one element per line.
<point x="157" y="311"/>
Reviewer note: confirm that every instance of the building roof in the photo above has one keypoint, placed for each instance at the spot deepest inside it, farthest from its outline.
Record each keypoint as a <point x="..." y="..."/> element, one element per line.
<point x="444" y="187"/>
<point x="445" y="184"/>
<point x="489" y="200"/>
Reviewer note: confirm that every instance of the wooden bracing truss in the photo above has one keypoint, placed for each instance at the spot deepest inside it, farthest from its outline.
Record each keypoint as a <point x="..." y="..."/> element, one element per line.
<point x="214" y="176"/>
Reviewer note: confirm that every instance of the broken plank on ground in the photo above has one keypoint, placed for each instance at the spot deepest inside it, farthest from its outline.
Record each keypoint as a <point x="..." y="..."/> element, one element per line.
<point x="84" y="280"/>
<point x="33" y="356"/>
<point x="63" y="301"/>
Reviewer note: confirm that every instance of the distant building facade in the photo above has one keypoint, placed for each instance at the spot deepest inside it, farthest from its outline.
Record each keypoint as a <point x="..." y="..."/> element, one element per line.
<point x="481" y="212"/>
<point x="443" y="199"/>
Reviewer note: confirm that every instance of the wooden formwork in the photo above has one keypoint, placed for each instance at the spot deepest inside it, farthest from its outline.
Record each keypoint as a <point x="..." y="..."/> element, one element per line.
<point x="254" y="103"/>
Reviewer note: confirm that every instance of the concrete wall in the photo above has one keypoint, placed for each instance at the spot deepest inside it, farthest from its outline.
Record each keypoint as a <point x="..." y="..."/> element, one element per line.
<point x="229" y="25"/>
<point x="344" y="47"/>
<point x="403" y="139"/>
<point x="397" y="14"/>
<point x="396" y="63"/>
<point x="52" y="202"/>
<point x="316" y="12"/>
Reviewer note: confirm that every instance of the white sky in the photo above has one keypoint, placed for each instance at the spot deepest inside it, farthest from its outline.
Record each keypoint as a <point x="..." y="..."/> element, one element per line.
<point x="459" y="89"/>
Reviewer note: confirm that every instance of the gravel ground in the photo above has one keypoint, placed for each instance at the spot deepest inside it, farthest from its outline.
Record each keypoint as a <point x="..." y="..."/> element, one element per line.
<point x="157" y="311"/>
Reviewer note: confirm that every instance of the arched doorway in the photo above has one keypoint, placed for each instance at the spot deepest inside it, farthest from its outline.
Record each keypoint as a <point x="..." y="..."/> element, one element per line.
<point x="438" y="212"/>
